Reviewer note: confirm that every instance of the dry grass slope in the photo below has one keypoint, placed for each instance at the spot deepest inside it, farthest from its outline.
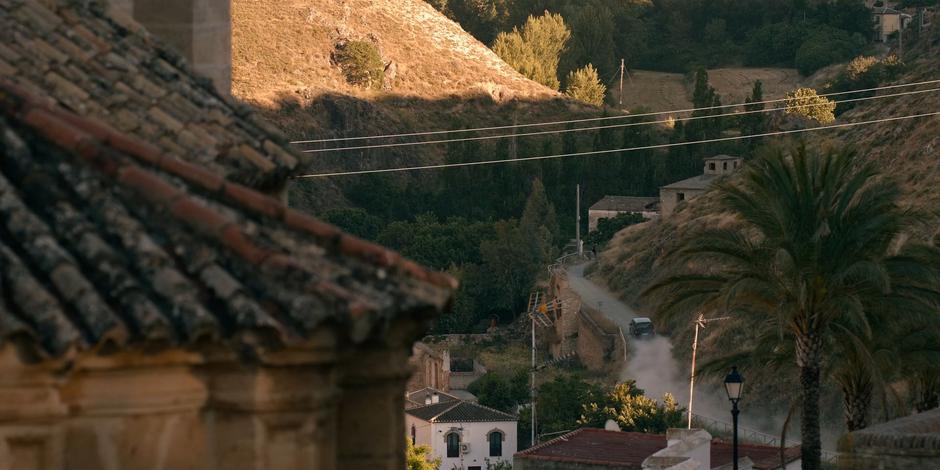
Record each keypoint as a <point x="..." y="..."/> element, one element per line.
<point x="664" y="91"/>
<point x="286" y="46"/>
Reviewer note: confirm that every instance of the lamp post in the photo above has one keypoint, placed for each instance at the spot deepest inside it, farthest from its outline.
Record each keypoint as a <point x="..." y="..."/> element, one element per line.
<point x="733" y="385"/>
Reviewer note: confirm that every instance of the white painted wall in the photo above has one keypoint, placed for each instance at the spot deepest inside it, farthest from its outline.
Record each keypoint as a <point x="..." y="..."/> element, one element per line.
<point x="433" y="435"/>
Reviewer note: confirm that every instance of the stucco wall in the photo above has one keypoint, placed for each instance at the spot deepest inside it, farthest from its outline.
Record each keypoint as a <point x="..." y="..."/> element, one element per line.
<point x="473" y="433"/>
<point x="668" y="199"/>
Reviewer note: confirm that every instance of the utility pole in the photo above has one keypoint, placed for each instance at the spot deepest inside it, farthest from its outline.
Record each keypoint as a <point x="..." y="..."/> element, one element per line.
<point x="577" y="219"/>
<point x="900" y="35"/>
<point x="700" y="322"/>
<point x="532" y="374"/>
<point x="622" y="68"/>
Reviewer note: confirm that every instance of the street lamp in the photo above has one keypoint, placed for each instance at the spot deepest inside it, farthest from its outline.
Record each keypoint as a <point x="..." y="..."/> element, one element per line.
<point x="733" y="384"/>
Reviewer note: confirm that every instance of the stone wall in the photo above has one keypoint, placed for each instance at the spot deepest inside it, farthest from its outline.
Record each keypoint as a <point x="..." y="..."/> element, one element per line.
<point x="431" y="368"/>
<point x="597" y="348"/>
<point x="179" y="410"/>
<point x="912" y="442"/>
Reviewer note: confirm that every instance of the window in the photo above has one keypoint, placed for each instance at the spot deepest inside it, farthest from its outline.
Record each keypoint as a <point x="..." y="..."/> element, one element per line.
<point x="414" y="435"/>
<point x="711" y="166"/>
<point x="453" y="444"/>
<point x="496" y="443"/>
<point x="680" y="197"/>
<point x="724" y="166"/>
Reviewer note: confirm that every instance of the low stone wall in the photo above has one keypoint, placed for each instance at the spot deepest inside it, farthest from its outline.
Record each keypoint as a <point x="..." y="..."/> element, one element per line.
<point x="912" y="442"/>
<point x="598" y="348"/>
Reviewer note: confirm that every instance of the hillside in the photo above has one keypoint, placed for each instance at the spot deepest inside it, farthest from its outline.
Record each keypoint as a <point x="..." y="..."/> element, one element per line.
<point x="908" y="149"/>
<point x="282" y="64"/>
<point x="662" y="90"/>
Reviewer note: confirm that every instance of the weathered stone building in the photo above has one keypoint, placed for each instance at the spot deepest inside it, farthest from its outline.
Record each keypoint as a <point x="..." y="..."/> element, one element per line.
<point x="715" y="167"/>
<point x="156" y="310"/>
<point x="431" y="368"/>
<point x="612" y="206"/>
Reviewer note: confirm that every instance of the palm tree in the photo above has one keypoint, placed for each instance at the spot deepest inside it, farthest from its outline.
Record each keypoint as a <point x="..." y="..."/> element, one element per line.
<point x="804" y="243"/>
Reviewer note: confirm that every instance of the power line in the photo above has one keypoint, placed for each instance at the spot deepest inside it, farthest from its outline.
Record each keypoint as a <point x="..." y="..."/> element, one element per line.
<point x="609" y="126"/>
<point x="603" y="118"/>
<point x="600" y="152"/>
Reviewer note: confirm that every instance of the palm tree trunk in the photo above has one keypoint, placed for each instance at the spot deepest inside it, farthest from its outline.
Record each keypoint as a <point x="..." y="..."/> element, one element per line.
<point x="808" y="355"/>
<point x="857" y="401"/>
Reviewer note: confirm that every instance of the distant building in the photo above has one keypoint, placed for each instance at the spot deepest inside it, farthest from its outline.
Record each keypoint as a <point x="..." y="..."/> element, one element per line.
<point x="599" y="449"/>
<point x="431" y="368"/>
<point x="612" y="206"/>
<point x="687" y="189"/>
<point x="888" y="21"/>
<point x="463" y="435"/>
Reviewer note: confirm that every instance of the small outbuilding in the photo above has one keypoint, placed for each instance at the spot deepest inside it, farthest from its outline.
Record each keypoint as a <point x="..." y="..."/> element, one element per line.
<point x="715" y="167"/>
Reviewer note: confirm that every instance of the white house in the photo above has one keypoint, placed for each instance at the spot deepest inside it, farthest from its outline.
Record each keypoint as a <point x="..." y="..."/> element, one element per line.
<point x="463" y="435"/>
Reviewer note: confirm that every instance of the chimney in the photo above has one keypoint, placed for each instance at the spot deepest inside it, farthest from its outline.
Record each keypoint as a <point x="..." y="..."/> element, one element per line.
<point x="199" y="30"/>
<point x="427" y="399"/>
<point x="435" y="398"/>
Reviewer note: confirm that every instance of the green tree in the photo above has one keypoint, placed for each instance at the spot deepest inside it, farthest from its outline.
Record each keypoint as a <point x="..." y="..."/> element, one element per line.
<point x="511" y="262"/>
<point x="584" y="85"/>
<point x="826" y="46"/>
<point x="633" y="411"/>
<point x="804" y="102"/>
<point x="809" y="245"/>
<point x="355" y="221"/>
<point x="361" y="63"/>
<point x="494" y="391"/>
<point x="561" y="402"/>
<point x="539" y="221"/>
<point x="419" y="457"/>
<point x="535" y="50"/>
<point x="756" y="121"/>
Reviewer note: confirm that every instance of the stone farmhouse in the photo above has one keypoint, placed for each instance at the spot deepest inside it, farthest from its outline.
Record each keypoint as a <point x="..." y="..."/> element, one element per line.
<point x="715" y="167"/>
<point x="160" y="307"/>
<point x="464" y="435"/>
<point x="612" y="206"/>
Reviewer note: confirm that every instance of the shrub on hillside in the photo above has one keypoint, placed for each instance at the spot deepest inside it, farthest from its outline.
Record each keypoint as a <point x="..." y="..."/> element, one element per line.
<point x="534" y="50"/>
<point x="584" y="85"/>
<point x="361" y="63"/>
<point x="804" y="102"/>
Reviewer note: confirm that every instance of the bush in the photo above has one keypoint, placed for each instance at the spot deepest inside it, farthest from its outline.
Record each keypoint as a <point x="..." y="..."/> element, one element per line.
<point x="535" y="50"/>
<point x="607" y="228"/>
<point x="361" y="63"/>
<point x="585" y="86"/>
<point x="804" y="102"/>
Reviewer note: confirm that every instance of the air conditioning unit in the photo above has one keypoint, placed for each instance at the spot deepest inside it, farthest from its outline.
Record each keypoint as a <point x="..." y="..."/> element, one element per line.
<point x="464" y="448"/>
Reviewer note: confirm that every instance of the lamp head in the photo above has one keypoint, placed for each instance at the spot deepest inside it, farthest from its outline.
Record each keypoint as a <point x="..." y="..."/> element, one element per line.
<point x="733" y="384"/>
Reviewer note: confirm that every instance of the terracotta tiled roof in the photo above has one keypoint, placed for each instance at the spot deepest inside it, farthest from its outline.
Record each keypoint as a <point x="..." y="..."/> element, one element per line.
<point x="107" y="239"/>
<point x="95" y="67"/>
<point x="629" y="449"/>
<point x="458" y="412"/>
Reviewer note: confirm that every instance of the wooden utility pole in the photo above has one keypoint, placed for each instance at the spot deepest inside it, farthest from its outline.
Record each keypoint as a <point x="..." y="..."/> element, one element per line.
<point x="700" y="322"/>
<point x="622" y="69"/>
<point x="577" y="219"/>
